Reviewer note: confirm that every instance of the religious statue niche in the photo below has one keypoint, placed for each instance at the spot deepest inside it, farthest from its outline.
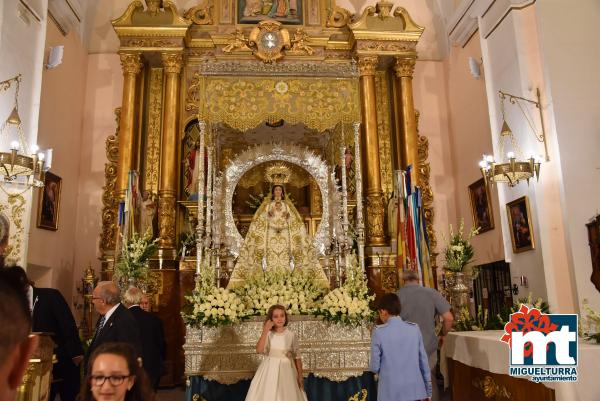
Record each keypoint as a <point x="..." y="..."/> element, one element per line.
<point x="253" y="188"/>
<point x="190" y="163"/>
<point x="289" y="12"/>
<point x="277" y="237"/>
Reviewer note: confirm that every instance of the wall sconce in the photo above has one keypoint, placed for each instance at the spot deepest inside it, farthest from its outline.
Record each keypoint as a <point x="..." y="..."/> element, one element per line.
<point x="516" y="168"/>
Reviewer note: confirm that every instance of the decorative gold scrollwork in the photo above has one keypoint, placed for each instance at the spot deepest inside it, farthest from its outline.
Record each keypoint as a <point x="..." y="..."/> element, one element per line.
<point x="269" y="41"/>
<point x="375" y="216"/>
<point x="424" y="175"/>
<point x="237" y="42"/>
<point x="192" y="98"/>
<point x="360" y="396"/>
<point x="338" y="17"/>
<point x="109" y="195"/>
<point x="490" y="388"/>
<point x="299" y="42"/>
<point x="201" y="14"/>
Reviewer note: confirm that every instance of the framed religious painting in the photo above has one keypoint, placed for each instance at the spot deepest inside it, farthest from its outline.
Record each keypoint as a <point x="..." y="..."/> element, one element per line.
<point x="288" y="12"/>
<point x="519" y="221"/>
<point x="481" y="206"/>
<point x="49" y="206"/>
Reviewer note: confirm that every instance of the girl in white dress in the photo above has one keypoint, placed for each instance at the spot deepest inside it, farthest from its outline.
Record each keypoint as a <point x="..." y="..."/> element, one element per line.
<point x="279" y="376"/>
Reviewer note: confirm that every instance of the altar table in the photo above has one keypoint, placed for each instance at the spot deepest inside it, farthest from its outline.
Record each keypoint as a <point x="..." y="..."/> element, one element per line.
<point x="475" y="362"/>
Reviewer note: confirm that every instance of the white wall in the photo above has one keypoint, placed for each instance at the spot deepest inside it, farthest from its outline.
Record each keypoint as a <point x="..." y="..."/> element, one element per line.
<point x="22" y="39"/>
<point x="571" y="68"/>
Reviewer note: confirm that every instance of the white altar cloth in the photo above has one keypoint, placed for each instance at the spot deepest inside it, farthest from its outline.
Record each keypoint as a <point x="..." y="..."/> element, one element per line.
<point x="484" y="350"/>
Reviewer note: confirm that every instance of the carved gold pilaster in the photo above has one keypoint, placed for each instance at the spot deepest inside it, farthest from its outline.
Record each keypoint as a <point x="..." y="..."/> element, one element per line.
<point x="110" y="196"/>
<point x="384" y="132"/>
<point x="404" y="69"/>
<point x="375" y="219"/>
<point x="131" y="64"/>
<point x="172" y="63"/>
<point x="155" y="104"/>
<point x="375" y="205"/>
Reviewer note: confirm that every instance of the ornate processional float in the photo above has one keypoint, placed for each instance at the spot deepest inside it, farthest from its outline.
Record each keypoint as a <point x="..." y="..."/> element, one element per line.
<point x="217" y="97"/>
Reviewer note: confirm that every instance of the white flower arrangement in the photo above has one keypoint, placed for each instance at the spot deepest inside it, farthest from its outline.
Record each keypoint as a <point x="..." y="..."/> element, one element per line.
<point x="297" y="291"/>
<point x="589" y="325"/>
<point x="213" y="306"/>
<point x="348" y="304"/>
<point x="218" y="307"/>
<point x="135" y="254"/>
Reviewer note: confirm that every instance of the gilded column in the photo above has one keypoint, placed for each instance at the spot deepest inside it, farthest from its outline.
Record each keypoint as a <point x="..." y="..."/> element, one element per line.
<point x="131" y="64"/>
<point x="375" y="202"/>
<point x="167" y="192"/>
<point x="408" y="141"/>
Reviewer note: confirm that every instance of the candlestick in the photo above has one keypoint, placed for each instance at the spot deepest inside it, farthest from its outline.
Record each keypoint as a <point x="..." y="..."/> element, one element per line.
<point x="344" y="196"/>
<point x="200" y="225"/>
<point x="360" y="223"/>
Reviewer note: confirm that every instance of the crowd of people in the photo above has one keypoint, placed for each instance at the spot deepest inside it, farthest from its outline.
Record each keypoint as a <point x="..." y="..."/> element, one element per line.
<point x="124" y="360"/>
<point x="120" y="362"/>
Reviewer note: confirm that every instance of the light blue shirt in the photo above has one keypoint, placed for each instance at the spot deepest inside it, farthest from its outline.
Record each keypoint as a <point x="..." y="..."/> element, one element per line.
<point x="399" y="357"/>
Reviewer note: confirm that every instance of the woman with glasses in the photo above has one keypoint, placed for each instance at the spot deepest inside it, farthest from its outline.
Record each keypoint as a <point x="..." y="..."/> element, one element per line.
<point x="114" y="374"/>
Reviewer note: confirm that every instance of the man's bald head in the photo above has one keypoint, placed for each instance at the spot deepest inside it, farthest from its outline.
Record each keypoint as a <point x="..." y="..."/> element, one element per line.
<point x="105" y="296"/>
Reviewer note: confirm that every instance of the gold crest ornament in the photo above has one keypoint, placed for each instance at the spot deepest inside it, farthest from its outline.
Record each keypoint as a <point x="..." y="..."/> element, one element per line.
<point x="278" y="174"/>
<point x="269" y="40"/>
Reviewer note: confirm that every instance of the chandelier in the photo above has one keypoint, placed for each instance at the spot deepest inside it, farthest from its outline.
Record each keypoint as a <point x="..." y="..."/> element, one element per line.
<point x="21" y="165"/>
<point x="515" y="168"/>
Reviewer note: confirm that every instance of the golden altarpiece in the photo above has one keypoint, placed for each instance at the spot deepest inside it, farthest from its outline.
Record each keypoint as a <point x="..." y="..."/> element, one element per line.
<point x="259" y="80"/>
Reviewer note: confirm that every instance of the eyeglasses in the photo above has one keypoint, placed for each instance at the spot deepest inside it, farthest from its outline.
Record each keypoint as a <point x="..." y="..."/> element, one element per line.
<point x="114" y="380"/>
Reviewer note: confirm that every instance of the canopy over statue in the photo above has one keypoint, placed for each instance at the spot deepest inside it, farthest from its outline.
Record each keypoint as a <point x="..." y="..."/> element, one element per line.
<point x="277" y="238"/>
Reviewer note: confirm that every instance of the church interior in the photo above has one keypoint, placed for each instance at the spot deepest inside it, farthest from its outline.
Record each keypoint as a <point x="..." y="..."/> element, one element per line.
<point x="259" y="152"/>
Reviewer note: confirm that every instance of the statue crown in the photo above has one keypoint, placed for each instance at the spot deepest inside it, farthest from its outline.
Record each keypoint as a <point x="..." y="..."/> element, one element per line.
<point x="278" y="174"/>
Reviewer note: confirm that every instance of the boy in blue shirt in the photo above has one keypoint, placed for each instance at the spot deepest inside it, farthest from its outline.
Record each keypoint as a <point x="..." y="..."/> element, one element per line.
<point x="398" y="356"/>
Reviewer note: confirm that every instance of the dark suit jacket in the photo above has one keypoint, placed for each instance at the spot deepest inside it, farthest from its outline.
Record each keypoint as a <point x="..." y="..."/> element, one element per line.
<point x="51" y="314"/>
<point x="153" y="342"/>
<point x="120" y="327"/>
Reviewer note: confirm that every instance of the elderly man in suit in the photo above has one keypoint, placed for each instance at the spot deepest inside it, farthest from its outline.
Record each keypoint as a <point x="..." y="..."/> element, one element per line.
<point x="153" y="337"/>
<point x="51" y="314"/>
<point x="16" y="345"/>
<point x="398" y="356"/>
<point x="116" y="323"/>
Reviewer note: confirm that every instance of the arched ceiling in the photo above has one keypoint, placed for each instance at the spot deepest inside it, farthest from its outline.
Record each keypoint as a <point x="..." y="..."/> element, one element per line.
<point x="101" y="38"/>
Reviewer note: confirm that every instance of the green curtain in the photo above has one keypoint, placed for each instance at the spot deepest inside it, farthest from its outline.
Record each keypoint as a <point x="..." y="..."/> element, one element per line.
<point x="317" y="389"/>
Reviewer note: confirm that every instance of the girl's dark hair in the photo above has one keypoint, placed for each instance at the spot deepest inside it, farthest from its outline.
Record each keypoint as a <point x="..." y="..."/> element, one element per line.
<point x="390" y="303"/>
<point x="273" y="191"/>
<point x="272" y="309"/>
<point x="141" y="389"/>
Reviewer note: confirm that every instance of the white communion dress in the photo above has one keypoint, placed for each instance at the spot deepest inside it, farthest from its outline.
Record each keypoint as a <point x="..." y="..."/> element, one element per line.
<point x="275" y="378"/>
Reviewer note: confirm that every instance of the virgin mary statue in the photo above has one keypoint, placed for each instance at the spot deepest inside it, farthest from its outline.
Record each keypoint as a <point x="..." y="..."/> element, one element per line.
<point x="277" y="238"/>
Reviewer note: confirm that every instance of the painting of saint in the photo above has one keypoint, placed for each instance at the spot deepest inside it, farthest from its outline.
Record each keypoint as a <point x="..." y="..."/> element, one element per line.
<point x="49" y="202"/>
<point x="521" y="230"/>
<point x="285" y="11"/>
<point x="481" y="206"/>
